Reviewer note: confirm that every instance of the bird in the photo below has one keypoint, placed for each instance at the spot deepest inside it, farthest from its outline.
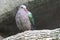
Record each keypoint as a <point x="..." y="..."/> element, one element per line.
<point x="22" y="19"/>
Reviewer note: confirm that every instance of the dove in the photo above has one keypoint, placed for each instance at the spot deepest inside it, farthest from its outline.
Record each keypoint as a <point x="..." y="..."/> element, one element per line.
<point x="22" y="18"/>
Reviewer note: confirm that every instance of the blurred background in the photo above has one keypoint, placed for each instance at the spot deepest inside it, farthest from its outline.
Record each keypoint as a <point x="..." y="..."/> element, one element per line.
<point x="46" y="14"/>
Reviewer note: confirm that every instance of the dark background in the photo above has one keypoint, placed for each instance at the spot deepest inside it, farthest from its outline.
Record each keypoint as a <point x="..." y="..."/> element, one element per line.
<point x="46" y="13"/>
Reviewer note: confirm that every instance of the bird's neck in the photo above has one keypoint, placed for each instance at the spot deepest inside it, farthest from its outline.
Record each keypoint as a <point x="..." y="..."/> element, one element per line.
<point x="24" y="10"/>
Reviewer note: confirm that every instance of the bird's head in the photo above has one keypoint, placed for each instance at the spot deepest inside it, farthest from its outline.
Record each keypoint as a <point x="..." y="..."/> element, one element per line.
<point x="23" y="7"/>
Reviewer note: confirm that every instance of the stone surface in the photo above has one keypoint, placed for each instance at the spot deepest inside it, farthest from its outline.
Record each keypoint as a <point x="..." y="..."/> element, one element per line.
<point x="36" y="35"/>
<point x="6" y="6"/>
<point x="1" y="37"/>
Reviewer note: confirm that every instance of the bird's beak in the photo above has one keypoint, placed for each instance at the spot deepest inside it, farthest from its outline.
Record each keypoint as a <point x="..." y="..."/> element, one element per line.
<point x="26" y="10"/>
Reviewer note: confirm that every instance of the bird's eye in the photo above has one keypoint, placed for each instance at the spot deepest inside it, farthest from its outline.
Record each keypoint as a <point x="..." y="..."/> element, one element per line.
<point x="21" y="7"/>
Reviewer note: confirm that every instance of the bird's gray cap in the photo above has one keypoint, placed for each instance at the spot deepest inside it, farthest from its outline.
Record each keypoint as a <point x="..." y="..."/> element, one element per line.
<point x="23" y="6"/>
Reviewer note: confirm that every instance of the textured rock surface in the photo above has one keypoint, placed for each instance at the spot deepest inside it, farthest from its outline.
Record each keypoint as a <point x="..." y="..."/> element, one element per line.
<point x="36" y="35"/>
<point x="6" y="6"/>
<point x="1" y="37"/>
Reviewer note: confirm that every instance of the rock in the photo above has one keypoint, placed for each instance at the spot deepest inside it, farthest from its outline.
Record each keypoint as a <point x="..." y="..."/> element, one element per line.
<point x="6" y="6"/>
<point x="35" y="35"/>
<point x="1" y="37"/>
<point x="7" y="11"/>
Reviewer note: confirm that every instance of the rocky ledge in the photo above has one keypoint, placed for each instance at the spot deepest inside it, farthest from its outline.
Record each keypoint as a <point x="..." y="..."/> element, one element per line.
<point x="37" y="35"/>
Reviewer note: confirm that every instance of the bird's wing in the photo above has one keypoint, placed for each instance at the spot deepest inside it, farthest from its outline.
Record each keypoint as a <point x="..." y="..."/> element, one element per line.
<point x="31" y="17"/>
